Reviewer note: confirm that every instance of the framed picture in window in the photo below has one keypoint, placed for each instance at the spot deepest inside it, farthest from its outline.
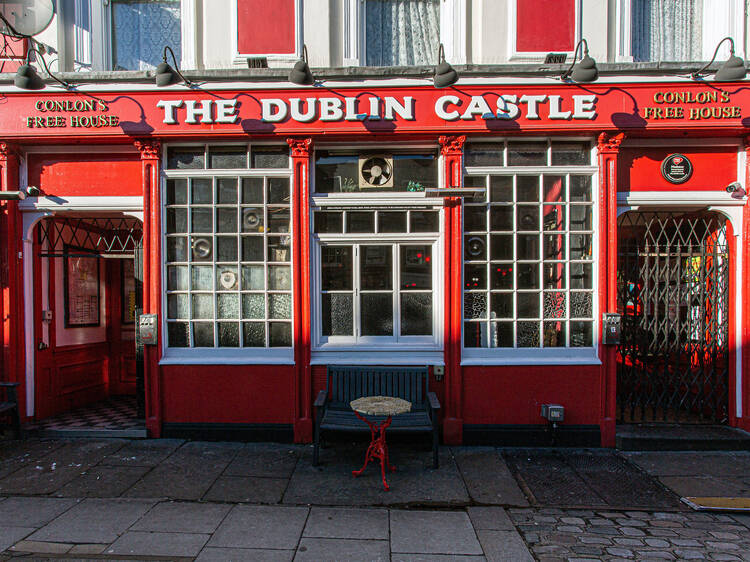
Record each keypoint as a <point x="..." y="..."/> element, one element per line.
<point x="127" y="284"/>
<point x="81" y="285"/>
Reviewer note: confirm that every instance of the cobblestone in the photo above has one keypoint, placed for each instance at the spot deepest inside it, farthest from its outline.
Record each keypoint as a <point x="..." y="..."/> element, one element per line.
<point x="657" y="543"/>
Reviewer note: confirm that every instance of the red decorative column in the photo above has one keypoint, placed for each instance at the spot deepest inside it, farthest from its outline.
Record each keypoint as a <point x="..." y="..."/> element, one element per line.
<point x="608" y="148"/>
<point x="451" y="148"/>
<point x="743" y="421"/>
<point x="303" y="427"/>
<point x="150" y="154"/>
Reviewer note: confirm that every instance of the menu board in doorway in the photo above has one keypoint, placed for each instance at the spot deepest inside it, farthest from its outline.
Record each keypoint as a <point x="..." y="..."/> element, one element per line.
<point x="81" y="287"/>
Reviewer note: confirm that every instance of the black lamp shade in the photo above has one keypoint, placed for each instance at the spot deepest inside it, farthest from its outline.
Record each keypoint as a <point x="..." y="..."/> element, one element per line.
<point x="301" y="74"/>
<point x="445" y="75"/>
<point x="165" y="75"/>
<point x="733" y="69"/>
<point x="27" y="78"/>
<point x="585" y="71"/>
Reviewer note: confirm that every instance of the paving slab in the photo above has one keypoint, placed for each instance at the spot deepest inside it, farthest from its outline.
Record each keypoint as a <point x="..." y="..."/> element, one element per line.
<point x="143" y="452"/>
<point x="11" y="535"/>
<point x="346" y="523"/>
<point x="213" y="554"/>
<point x="93" y="548"/>
<point x="103" y="482"/>
<point x="433" y="532"/>
<point x="435" y="558"/>
<point x="14" y="455"/>
<point x="42" y="547"/>
<point x="487" y="477"/>
<point x="182" y="517"/>
<point x="692" y="463"/>
<point x="94" y="521"/>
<point x="140" y="543"/>
<point x="265" y="460"/>
<point x="334" y="550"/>
<point x="490" y="519"/>
<point x="743" y="520"/>
<point x="246" y="489"/>
<point x="32" y="512"/>
<point x="414" y="482"/>
<point x="707" y="485"/>
<point x="273" y="527"/>
<point x="504" y="546"/>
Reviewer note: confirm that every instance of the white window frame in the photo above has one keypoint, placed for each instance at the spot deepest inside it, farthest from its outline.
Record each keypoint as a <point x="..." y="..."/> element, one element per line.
<point x="223" y="355"/>
<point x="452" y="31"/>
<point x="242" y="58"/>
<point x="718" y="14"/>
<point x="514" y="55"/>
<point x="541" y="356"/>
<point x="94" y="47"/>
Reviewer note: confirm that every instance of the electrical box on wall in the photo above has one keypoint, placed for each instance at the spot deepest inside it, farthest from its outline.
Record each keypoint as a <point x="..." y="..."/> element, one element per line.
<point x="611" y="328"/>
<point x="553" y="412"/>
<point x="147" y="329"/>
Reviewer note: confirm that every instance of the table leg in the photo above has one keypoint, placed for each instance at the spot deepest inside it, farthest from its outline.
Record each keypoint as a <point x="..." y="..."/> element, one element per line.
<point x="378" y="448"/>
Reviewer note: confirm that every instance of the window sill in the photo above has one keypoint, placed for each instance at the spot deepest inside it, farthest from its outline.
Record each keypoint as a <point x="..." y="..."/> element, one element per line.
<point x="210" y="356"/>
<point x="474" y="358"/>
<point x="368" y="357"/>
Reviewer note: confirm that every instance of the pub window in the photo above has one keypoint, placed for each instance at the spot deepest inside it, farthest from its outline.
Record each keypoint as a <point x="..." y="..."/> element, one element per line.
<point x="529" y="247"/>
<point x="228" y="248"/>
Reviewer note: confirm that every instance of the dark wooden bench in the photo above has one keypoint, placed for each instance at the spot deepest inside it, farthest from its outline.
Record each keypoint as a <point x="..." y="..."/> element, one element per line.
<point x="9" y="405"/>
<point x="346" y="383"/>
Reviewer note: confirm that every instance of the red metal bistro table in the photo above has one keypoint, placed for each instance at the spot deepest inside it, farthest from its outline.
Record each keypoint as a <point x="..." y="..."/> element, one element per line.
<point x="378" y="406"/>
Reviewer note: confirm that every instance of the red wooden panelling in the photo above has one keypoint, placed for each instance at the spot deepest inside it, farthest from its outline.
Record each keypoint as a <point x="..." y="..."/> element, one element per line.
<point x="265" y="27"/>
<point x="86" y="174"/>
<point x="534" y="34"/>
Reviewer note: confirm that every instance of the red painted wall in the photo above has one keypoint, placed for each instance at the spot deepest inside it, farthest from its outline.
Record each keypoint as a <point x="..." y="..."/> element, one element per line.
<point x="639" y="169"/>
<point x="265" y="27"/>
<point x="86" y="174"/>
<point x="534" y="34"/>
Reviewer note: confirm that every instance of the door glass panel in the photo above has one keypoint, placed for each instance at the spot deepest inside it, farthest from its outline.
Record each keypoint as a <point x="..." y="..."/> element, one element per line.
<point x="336" y="268"/>
<point x="376" y="268"/>
<point x="416" y="267"/>
<point x="377" y="314"/>
<point x="416" y="314"/>
<point x="337" y="314"/>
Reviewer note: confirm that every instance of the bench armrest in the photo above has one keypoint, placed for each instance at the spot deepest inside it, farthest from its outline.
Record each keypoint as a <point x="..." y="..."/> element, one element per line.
<point x="433" y="401"/>
<point x="9" y="384"/>
<point x="12" y="395"/>
<point x="320" y="401"/>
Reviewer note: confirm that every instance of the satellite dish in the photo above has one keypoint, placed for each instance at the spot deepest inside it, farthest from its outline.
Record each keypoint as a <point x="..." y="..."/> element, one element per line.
<point x="25" y="18"/>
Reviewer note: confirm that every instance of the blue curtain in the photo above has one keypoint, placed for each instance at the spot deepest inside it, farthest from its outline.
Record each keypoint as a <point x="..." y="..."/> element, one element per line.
<point x="141" y="29"/>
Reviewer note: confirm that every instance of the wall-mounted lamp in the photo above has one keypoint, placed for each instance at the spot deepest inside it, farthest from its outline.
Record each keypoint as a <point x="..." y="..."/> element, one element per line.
<point x="31" y="191"/>
<point x="27" y="77"/>
<point x="584" y="71"/>
<point x="165" y="74"/>
<point x="736" y="190"/>
<point x="732" y="69"/>
<point x="301" y="74"/>
<point x="445" y="74"/>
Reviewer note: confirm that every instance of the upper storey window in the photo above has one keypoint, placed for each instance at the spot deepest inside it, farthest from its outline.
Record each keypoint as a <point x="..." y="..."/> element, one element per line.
<point x="140" y="30"/>
<point x="532" y="36"/>
<point x="401" y="32"/>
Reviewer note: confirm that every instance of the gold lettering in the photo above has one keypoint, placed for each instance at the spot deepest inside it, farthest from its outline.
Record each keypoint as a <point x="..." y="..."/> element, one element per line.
<point x="679" y="114"/>
<point x="657" y="97"/>
<point x="725" y="97"/>
<point x="736" y="111"/>
<point x="694" y="113"/>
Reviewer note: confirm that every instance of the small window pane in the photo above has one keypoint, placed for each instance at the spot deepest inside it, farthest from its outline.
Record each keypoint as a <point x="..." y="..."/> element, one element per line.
<point x="581" y="305"/>
<point x="227" y="191"/>
<point x="501" y="218"/>
<point x="337" y="314"/>
<point x="336" y="172"/>
<point x="416" y="267"/>
<point x="554" y="334"/>
<point x="279" y="278"/>
<point x="226" y="248"/>
<point x="227" y="157"/>
<point x="278" y="248"/>
<point x="527" y="189"/>
<point x="475" y="334"/>
<point x="176" y="220"/>
<point x="253" y="277"/>
<point x="229" y="334"/>
<point x="177" y="278"/>
<point x="528" y="276"/>
<point x="178" y="334"/>
<point x="226" y="278"/>
<point x="475" y="247"/>
<point x="501" y="305"/>
<point x="554" y="189"/>
<point x="203" y="334"/>
<point x="475" y="276"/>
<point x="581" y="334"/>
<point x="329" y="221"/>
<point x="202" y="278"/>
<point x="252" y="248"/>
<point x="202" y="248"/>
<point x="253" y="306"/>
<point x="553" y="217"/>
<point x="571" y="154"/>
<point x="475" y="218"/>
<point x="177" y="192"/>
<point x="183" y="158"/>
<point x="177" y="306"/>
<point x="253" y="334"/>
<point x="278" y="219"/>
<point x="475" y="306"/>
<point x="414" y="172"/>
<point x="483" y="154"/>
<point x="501" y="334"/>
<point x="229" y="305"/>
<point x="423" y="221"/>
<point x="528" y="305"/>
<point x="377" y="314"/>
<point x="202" y="191"/>
<point x="226" y="220"/>
<point x="501" y="246"/>
<point x="203" y="307"/>
<point x="554" y="246"/>
<point x="580" y="188"/>
<point x="475" y="181"/>
<point x="270" y="157"/>
<point x="581" y="246"/>
<point x="278" y="191"/>
<point x="555" y="304"/>
<point x="501" y="189"/>
<point x="501" y="276"/>
<point x="528" y="334"/>
<point x="392" y="221"/>
<point x="581" y="217"/>
<point x="280" y="334"/>
<point x="527" y="246"/>
<point x="177" y="248"/>
<point x="527" y="153"/>
<point x="416" y="314"/>
<point x="376" y="268"/>
<point x="581" y="276"/>
<point x="527" y="217"/>
<point x="252" y="219"/>
<point x="360" y="221"/>
<point x="252" y="191"/>
<point x="200" y="220"/>
<point x="280" y="306"/>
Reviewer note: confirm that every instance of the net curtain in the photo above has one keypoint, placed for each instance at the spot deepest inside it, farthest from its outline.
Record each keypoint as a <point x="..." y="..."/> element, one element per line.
<point x="402" y="32"/>
<point x="666" y="30"/>
<point x="140" y="31"/>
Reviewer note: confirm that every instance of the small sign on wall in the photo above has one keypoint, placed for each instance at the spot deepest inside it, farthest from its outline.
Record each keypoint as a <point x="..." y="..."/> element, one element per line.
<point x="676" y="168"/>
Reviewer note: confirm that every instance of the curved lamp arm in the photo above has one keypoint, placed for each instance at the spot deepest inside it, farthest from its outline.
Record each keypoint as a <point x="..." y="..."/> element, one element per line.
<point x="568" y="72"/>
<point x="66" y="85"/>
<point x="176" y="66"/>
<point x="699" y="73"/>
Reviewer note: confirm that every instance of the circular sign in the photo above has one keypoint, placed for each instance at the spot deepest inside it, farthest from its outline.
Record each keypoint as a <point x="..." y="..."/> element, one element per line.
<point x="676" y="168"/>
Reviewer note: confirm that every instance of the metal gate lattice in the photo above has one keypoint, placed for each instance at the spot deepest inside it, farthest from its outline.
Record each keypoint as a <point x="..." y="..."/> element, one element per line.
<point x="673" y="291"/>
<point x="68" y="236"/>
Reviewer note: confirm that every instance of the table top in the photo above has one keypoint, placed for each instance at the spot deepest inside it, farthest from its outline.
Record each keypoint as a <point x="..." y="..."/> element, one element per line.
<point x="380" y="405"/>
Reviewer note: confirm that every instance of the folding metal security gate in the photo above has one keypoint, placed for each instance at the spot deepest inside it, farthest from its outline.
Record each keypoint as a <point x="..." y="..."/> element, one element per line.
<point x="673" y="290"/>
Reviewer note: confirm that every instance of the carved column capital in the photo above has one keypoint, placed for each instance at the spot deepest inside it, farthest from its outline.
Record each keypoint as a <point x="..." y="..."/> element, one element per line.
<point x="610" y="143"/>
<point x="300" y="147"/>
<point x="149" y="149"/>
<point x="7" y="150"/>
<point x="452" y="145"/>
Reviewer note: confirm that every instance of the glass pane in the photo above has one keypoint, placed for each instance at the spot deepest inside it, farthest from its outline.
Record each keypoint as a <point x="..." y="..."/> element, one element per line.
<point x="202" y="278"/>
<point x="280" y="334"/>
<point x="581" y="276"/>
<point x="392" y="221"/>
<point x="477" y="181"/>
<point x="226" y="278"/>
<point x="226" y="220"/>
<point x="396" y="36"/>
<point x="280" y="306"/>
<point x="376" y="268"/>
<point x="252" y="219"/>
<point x="501" y="334"/>
<point x="416" y="314"/>
<point x="336" y="172"/>
<point x="201" y="220"/>
<point x="501" y="246"/>
<point x="279" y="278"/>
<point x="475" y="247"/>
<point x="501" y="305"/>
<point x="501" y="189"/>
<point x="253" y="306"/>
<point x="227" y="157"/>
<point x="501" y="275"/>
<point x="252" y="248"/>
<point x="580" y="217"/>
<point x="571" y="154"/>
<point x="554" y="246"/>
<point x="360" y="221"/>
<point x="253" y="334"/>
<point x="527" y="246"/>
<point x="416" y="267"/>
<point x="176" y="220"/>
<point x="177" y="248"/>
<point x="278" y="190"/>
<point x="185" y="157"/>
<point x="581" y="305"/>
<point x="475" y="218"/>
<point x="423" y="221"/>
<point x="554" y="304"/>
<point x="229" y="305"/>
<point x="527" y="154"/>
<point x="229" y="334"/>
<point x="227" y="248"/>
<point x="141" y="29"/>
<point x="337" y="314"/>
<point x="252" y="191"/>
<point x="580" y="246"/>
<point x="177" y="192"/>
<point x="475" y="334"/>
<point x="580" y="188"/>
<point x="227" y="191"/>
<point x="528" y="276"/>
<point x="414" y="172"/>
<point x="554" y="189"/>
<point x="501" y="218"/>
<point x="202" y="191"/>
<point x="203" y="334"/>
<point x="278" y="249"/>
<point x="553" y="217"/>
<point x="278" y="219"/>
<point x="329" y="221"/>
<point x="253" y="277"/>
<point x="527" y="189"/>
<point x="202" y="248"/>
<point x="554" y="334"/>
<point x="336" y="268"/>
<point x="528" y="334"/>
<point x="528" y="305"/>
<point x="475" y="305"/>
<point x="270" y="157"/>
<point x="177" y="278"/>
<point x="377" y="314"/>
<point x="177" y="306"/>
<point x="528" y="217"/>
<point x="178" y="334"/>
<point x="475" y="276"/>
<point x="581" y="334"/>
<point x="203" y="307"/>
<point x="483" y="154"/>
